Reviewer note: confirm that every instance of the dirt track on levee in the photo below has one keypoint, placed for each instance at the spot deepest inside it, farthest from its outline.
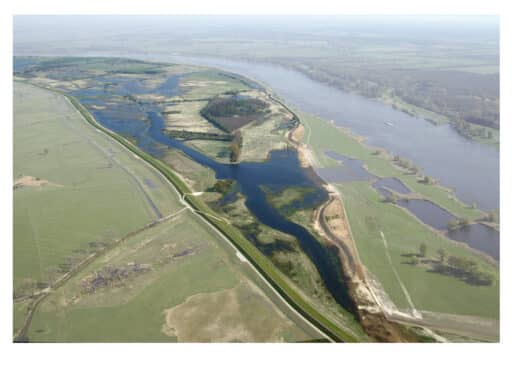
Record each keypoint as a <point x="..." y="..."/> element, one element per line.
<point x="332" y="224"/>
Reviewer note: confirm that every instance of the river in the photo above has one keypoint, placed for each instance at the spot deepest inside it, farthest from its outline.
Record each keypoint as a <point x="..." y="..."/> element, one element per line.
<point x="472" y="169"/>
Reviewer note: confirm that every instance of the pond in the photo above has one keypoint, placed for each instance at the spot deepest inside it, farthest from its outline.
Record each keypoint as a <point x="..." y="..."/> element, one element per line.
<point x="349" y="170"/>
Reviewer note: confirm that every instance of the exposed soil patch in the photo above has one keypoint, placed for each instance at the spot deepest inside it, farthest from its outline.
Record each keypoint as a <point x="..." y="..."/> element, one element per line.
<point x="29" y="181"/>
<point x="296" y="137"/>
<point x="331" y="222"/>
<point x="239" y="314"/>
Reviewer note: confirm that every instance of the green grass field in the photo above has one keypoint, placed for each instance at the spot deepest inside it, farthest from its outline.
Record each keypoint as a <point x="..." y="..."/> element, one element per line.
<point x="136" y="309"/>
<point x="97" y="191"/>
<point x="368" y="216"/>
<point x="207" y="84"/>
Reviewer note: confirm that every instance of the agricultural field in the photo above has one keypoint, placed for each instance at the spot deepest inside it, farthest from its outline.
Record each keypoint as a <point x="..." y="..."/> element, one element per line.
<point x="186" y="116"/>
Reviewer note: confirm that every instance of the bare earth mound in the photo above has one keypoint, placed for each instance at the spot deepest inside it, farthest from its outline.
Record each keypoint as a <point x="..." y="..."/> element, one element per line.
<point x="29" y="181"/>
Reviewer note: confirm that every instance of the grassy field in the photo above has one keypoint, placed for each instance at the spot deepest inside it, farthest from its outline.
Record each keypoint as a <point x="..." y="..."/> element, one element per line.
<point x="186" y="116"/>
<point x="260" y="139"/>
<point x="218" y="150"/>
<point x="368" y="216"/>
<point x="185" y="262"/>
<point x="197" y="176"/>
<point x="97" y="191"/>
<point x="208" y="83"/>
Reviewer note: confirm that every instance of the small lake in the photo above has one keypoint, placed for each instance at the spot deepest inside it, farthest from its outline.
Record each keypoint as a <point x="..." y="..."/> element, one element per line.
<point x="477" y="236"/>
<point x="480" y="237"/>
<point x="428" y="212"/>
<point x="349" y="170"/>
<point x="383" y="185"/>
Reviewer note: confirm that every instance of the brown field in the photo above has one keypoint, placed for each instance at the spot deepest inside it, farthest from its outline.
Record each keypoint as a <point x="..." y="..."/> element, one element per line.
<point x="232" y="315"/>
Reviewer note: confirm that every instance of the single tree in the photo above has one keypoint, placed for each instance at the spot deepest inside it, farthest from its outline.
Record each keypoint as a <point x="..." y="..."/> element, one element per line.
<point x="492" y="216"/>
<point x="423" y="250"/>
<point x="453" y="224"/>
<point x="464" y="222"/>
<point x="442" y="254"/>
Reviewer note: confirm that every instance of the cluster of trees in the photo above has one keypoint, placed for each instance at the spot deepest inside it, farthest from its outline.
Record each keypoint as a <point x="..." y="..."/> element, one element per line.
<point x="422" y="254"/>
<point x="222" y="186"/>
<point x="233" y="112"/>
<point x="224" y="107"/>
<point x="467" y="130"/>
<point x="406" y="164"/>
<point x="469" y="270"/>
<point x="456" y="223"/>
<point x="493" y="216"/>
<point x="191" y="135"/>
<point x="427" y="180"/>
<point x="236" y="146"/>
<point x="451" y="93"/>
<point x="460" y="267"/>
<point x="391" y="198"/>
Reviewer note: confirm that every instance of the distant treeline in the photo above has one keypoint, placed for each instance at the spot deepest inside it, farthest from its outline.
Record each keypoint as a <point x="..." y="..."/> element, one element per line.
<point x="451" y="93"/>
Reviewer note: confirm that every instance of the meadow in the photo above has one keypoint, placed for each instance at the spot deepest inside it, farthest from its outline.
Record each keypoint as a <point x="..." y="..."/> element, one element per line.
<point x="91" y="191"/>
<point x="368" y="216"/>
<point x="185" y="261"/>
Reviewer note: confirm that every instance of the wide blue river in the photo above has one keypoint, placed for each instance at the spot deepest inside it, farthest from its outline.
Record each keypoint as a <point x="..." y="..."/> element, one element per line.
<point x="471" y="169"/>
